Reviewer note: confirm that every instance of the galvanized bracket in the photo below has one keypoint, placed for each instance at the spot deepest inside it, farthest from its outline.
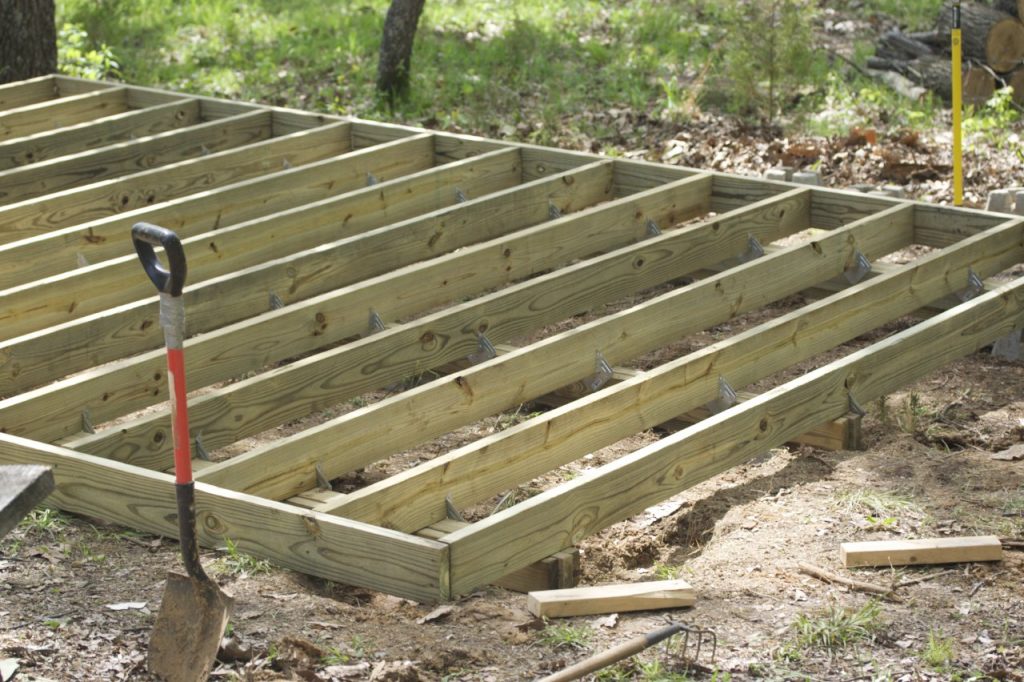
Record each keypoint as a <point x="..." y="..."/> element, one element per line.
<point x="82" y="262"/>
<point x="601" y="376"/>
<point x="726" y="397"/>
<point x="858" y="269"/>
<point x="87" y="426"/>
<point x="1008" y="347"/>
<point x="754" y="250"/>
<point x="652" y="228"/>
<point x="506" y="501"/>
<point x="321" y="479"/>
<point x="484" y="350"/>
<point x="201" y="452"/>
<point x="460" y="196"/>
<point x="275" y="301"/>
<point x="854" y="406"/>
<point x="553" y="211"/>
<point x="285" y="164"/>
<point x="974" y="286"/>
<point x="371" y="180"/>
<point x="203" y="150"/>
<point x="451" y="511"/>
<point x="376" y="322"/>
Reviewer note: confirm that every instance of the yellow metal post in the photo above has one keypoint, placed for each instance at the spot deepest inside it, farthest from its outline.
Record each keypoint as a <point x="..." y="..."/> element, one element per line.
<point x="958" y="162"/>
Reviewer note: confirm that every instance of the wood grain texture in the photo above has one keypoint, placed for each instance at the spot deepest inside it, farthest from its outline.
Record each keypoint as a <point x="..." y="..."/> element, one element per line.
<point x="353" y="440"/>
<point x="415" y="498"/>
<point x="93" y="134"/>
<point x="924" y="551"/>
<point x="38" y="218"/>
<point x="562" y="516"/>
<point x="326" y="378"/>
<point x="620" y="598"/>
<point x="45" y="301"/>
<point x="125" y="158"/>
<point x="31" y="91"/>
<point x="62" y="111"/>
<point x="332" y="548"/>
<point x="133" y="383"/>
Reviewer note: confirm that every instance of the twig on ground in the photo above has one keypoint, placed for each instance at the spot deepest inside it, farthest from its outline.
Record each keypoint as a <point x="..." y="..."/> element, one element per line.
<point x="828" y="576"/>
<point x="1009" y="543"/>
<point x="924" y="578"/>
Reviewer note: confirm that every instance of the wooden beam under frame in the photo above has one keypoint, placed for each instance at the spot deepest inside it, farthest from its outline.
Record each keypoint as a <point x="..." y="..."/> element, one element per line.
<point x="62" y="111"/>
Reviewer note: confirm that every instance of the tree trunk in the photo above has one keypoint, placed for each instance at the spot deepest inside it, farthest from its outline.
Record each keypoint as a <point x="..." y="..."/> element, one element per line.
<point x="1013" y="7"/>
<point x="396" y="47"/>
<point x="989" y="36"/>
<point x="28" y="39"/>
<point x="979" y="85"/>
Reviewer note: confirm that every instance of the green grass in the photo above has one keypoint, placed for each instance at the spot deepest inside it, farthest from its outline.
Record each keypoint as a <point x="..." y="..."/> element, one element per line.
<point x="239" y="564"/>
<point x="566" y="635"/>
<point x="938" y="653"/>
<point x="837" y="627"/>
<point x="914" y="15"/>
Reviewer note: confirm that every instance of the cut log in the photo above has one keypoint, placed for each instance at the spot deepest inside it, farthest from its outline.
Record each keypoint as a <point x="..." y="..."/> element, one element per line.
<point x="901" y="46"/>
<point x="1015" y="79"/>
<point x="979" y="85"/>
<point x="989" y="35"/>
<point x="932" y="73"/>
<point x="589" y="601"/>
<point x="927" y="551"/>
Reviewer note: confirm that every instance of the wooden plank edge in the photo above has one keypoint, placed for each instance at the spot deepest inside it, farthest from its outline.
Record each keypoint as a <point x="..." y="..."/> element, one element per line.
<point x="922" y="551"/>
<point x="620" y="598"/>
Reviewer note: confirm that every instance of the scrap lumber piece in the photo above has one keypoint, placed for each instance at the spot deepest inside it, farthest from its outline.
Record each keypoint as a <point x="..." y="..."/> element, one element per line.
<point x="63" y="111"/>
<point x="414" y="289"/>
<point x="22" y="487"/>
<point x="238" y="349"/>
<point x="37" y="218"/>
<point x="93" y="134"/>
<point x="615" y="491"/>
<point x="300" y="539"/>
<point x="532" y="448"/>
<point x="509" y="312"/>
<point x="589" y="601"/>
<point x="923" y="551"/>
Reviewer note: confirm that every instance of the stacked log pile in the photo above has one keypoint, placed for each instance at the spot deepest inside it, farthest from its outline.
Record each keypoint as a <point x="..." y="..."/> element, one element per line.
<point x="992" y="45"/>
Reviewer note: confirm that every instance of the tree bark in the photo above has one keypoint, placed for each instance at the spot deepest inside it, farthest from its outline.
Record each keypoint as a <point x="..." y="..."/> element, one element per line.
<point x="396" y="47"/>
<point x="989" y="36"/>
<point x="28" y="39"/>
<point x="1014" y="7"/>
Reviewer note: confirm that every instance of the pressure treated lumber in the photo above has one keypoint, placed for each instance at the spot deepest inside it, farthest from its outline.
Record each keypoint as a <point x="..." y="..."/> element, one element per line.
<point x="621" y="598"/>
<point x="93" y="134"/>
<point x="37" y="217"/>
<point x="562" y="516"/>
<point x="45" y="302"/>
<point x="303" y="540"/>
<point x="924" y="551"/>
<point x="63" y="111"/>
<point x="415" y="498"/>
<point x="31" y="91"/>
<point x="499" y="462"/>
<point x="353" y="440"/>
<point x="22" y="487"/>
<point x="130" y="384"/>
<point x="125" y="158"/>
<point x="258" y="402"/>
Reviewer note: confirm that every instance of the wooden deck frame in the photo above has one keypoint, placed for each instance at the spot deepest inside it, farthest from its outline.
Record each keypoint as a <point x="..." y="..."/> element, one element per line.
<point x="307" y="227"/>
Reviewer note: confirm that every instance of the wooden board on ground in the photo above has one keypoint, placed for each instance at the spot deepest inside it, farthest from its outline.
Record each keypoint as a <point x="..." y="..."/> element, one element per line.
<point x="589" y="601"/>
<point x="923" y="551"/>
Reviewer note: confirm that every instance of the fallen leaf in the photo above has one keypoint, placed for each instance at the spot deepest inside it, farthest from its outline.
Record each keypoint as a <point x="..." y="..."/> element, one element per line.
<point x="127" y="605"/>
<point x="1010" y="454"/>
<point x="609" y="621"/>
<point x="8" y="666"/>
<point x="345" y="672"/>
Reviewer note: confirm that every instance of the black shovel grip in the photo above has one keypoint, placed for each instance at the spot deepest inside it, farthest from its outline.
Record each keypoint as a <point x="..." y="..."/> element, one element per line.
<point x="145" y="236"/>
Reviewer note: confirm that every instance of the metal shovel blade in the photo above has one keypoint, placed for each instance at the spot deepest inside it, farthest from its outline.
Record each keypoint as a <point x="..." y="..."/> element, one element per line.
<point x="188" y="629"/>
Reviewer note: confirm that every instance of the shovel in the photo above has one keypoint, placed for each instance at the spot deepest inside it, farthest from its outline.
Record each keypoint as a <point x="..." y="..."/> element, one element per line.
<point x="194" y="610"/>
